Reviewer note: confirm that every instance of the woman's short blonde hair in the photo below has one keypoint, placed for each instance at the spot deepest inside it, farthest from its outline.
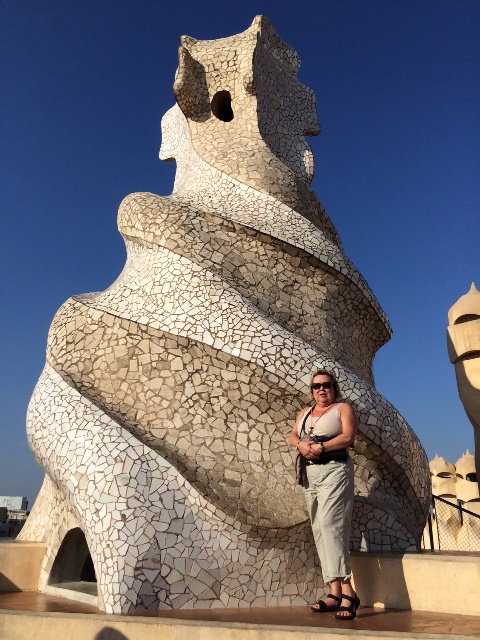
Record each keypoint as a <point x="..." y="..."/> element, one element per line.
<point x="331" y="375"/>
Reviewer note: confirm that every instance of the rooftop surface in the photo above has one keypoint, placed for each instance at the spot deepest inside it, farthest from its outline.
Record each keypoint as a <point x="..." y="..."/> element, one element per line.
<point x="376" y="623"/>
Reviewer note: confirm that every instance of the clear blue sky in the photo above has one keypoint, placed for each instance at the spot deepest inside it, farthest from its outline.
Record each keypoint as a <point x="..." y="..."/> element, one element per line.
<point x="84" y="86"/>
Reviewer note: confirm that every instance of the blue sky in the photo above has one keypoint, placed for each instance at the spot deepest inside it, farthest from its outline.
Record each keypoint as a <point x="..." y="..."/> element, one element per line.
<point x="84" y="86"/>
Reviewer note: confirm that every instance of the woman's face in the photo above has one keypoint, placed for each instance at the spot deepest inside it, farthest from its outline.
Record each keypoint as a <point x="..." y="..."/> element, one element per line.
<point x="320" y="393"/>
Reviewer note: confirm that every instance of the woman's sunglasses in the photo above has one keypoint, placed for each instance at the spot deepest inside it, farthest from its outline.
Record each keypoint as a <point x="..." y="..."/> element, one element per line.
<point x="321" y="385"/>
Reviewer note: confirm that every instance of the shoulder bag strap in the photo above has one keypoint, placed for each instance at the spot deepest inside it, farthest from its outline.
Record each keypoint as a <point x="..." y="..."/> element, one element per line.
<point x="304" y="423"/>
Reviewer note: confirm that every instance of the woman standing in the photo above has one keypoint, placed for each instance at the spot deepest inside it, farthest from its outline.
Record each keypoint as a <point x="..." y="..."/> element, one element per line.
<point x="321" y="434"/>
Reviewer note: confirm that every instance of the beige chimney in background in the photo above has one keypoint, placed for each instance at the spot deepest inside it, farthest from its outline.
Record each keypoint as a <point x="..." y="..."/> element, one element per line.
<point x="463" y="338"/>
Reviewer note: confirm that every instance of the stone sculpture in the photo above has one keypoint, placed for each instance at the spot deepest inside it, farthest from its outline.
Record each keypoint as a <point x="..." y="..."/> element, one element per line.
<point x="463" y="339"/>
<point x="162" y="415"/>
<point x="455" y="483"/>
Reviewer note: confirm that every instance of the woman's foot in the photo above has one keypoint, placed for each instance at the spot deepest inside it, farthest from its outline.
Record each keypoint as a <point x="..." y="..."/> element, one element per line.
<point x="348" y="607"/>
<point x="331" y="603"/>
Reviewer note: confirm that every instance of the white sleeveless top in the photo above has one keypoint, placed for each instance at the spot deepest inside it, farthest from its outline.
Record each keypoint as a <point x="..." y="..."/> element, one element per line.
<point x="327" y="425"/>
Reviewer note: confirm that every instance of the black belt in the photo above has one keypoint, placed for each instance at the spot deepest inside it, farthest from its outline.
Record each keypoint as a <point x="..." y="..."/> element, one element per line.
<point x="330" y="456"/>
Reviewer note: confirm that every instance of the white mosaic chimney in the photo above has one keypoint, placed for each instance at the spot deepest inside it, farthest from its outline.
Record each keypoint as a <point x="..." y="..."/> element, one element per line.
<point x="162" y="416"/>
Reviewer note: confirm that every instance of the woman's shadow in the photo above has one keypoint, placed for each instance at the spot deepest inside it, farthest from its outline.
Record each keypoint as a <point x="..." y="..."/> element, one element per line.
<point x="108" y="633"/>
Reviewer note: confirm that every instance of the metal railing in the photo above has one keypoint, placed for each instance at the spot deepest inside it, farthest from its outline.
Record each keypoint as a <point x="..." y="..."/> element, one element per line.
<point x="451" y="527"/>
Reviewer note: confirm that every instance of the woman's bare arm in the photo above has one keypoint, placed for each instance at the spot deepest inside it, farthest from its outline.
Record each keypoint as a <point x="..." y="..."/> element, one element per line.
<point x="305" y="448"/>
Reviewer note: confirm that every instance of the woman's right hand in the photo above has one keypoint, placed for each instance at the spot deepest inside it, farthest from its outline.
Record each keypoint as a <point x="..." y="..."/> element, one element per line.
<point x="305" y="448"/>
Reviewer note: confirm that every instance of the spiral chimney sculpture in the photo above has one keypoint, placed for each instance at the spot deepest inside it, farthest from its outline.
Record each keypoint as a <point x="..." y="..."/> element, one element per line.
<point x="162" y="416"/>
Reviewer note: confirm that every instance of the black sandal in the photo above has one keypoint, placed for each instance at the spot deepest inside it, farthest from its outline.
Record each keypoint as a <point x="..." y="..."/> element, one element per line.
<point x="352" y="609"/>
<point x="323" y="607"/>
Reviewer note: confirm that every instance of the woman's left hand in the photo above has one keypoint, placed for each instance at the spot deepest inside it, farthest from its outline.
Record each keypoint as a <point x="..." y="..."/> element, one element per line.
<point x="312" y="451"/>
<point x="316" y="449"/>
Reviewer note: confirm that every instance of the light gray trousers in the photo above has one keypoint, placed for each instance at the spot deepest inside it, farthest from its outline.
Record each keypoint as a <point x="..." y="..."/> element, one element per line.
<point x="329" y="496"/>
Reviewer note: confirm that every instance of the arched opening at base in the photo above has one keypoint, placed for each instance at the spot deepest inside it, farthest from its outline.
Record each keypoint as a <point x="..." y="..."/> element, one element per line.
<point x="73" y="566"/>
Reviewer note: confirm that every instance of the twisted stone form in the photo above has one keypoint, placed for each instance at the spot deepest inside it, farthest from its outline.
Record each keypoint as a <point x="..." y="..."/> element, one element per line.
<point x="463" y="341"/>
<point x="162" y="415"/>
